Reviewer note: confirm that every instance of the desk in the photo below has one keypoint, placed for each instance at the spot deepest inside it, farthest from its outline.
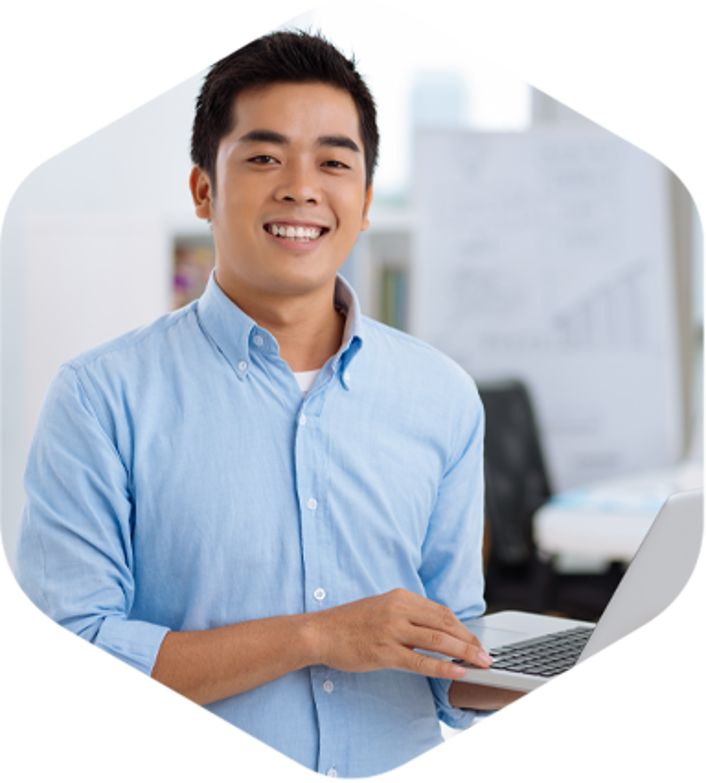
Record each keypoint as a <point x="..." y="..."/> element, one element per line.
<point x="607" y="521"/>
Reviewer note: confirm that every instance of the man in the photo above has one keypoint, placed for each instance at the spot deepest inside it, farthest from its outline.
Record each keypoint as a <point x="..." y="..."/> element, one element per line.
<point x="264" y="500"/>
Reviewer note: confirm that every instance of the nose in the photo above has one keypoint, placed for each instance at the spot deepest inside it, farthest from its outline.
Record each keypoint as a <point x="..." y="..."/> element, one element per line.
<point x="299" y="184"/>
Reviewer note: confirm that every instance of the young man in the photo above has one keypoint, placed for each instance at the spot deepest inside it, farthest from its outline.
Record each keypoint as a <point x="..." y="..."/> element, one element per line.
<point x="264" y="500"/>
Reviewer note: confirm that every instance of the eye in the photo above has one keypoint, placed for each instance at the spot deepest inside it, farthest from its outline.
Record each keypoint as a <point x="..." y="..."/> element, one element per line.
<point x="264" y="159"/>
<point x="335" y="164"/>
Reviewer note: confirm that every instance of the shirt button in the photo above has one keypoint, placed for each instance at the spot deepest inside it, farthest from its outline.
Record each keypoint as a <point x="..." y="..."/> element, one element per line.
<point x="312" y="504"/>
<point x="257" y="339"/>
<point x="302" y="420"/>
<point x="328" y="686"/>
<point x="332" y="773"/>
<point x="319" y="594"/>
<point x="243" y="366"/>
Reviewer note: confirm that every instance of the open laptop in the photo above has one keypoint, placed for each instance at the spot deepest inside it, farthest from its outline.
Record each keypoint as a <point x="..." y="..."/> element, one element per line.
<point x="529" y="649"/>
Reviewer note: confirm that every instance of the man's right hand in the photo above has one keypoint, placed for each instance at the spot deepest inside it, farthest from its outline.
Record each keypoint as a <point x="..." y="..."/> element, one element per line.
<point x="382" y="632"/>
<point x="388" y="631"/>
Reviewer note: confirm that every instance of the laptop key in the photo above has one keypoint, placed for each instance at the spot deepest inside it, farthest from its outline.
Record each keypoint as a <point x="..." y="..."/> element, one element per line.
<point x="546" y="656"/>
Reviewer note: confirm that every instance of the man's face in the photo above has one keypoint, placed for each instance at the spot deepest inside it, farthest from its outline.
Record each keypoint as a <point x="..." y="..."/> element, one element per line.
<point x="293" y="164"/>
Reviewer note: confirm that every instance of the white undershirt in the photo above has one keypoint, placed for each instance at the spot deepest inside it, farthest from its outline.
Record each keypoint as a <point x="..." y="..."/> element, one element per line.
<point x="306" y="379"/>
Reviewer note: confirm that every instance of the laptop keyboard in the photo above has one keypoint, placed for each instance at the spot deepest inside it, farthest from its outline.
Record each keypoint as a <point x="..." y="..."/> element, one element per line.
<point x="545" y="656"/>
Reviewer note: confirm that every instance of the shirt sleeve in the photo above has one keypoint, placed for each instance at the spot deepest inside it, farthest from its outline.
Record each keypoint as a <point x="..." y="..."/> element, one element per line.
<point x="452" y="562"/>
<point x="74" y="555"/>
<point x="455" y="717"/>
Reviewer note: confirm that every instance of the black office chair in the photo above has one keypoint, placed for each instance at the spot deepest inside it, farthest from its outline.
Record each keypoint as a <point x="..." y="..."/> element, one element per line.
<point x="516" y="486"/>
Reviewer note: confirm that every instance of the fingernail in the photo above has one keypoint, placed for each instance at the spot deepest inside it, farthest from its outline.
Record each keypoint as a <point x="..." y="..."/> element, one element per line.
<point x="483" y="657"/>
<point x="457" y="671"/>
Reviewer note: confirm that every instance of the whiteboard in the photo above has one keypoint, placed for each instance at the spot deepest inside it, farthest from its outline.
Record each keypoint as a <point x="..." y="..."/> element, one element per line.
<point x="547" y="256"/>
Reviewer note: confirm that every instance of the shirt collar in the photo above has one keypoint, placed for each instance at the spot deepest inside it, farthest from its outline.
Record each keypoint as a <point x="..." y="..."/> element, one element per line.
<point x="235" y="334"/>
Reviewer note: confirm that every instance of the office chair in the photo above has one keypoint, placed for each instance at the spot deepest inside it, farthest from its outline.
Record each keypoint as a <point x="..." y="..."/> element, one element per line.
<point x="516" y="485"/>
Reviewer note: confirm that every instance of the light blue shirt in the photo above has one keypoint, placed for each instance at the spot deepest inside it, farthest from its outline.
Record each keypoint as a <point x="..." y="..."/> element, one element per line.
<point x="179" y="480"/>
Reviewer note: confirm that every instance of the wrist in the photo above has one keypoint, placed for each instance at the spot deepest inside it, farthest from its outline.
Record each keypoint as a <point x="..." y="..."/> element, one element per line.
<point x="308" y="637"/>
<point x="466" y="695"/>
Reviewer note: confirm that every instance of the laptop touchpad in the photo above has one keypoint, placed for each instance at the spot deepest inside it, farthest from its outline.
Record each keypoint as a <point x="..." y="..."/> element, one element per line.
<point x="494" y="637"/>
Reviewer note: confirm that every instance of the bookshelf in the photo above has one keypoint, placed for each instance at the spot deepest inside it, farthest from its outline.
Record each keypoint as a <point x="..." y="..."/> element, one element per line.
<point x="194" y="257"/>
<point x="382" y="261"/>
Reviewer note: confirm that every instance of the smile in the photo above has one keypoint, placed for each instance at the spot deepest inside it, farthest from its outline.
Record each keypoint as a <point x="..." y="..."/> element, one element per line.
<point x="295" y="233"/>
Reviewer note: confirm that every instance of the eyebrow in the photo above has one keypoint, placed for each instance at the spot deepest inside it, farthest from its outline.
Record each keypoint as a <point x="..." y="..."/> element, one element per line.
<point x="278" y="138"/>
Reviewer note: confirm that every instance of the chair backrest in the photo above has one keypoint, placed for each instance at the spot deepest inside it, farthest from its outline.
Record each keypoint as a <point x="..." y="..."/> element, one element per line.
<point x="516" y="478"/>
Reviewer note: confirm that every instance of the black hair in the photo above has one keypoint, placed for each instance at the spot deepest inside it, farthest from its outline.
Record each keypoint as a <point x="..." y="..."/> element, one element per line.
<point x="279" y="57"/>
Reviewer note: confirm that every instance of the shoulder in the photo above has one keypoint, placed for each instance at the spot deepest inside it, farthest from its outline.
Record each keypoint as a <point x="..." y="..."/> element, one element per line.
<point x="132" y="345"/>
<point x="408" y="358"/>
<point x="412" y="384"/>
<point x="119" y="374"/>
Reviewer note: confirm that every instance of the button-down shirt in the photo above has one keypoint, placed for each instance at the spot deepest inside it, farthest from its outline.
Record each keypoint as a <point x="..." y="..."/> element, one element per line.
<point x="179" y="480"/>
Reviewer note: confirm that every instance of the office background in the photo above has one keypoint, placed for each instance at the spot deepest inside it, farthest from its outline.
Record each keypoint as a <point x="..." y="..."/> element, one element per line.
<point x="101" y="237"/>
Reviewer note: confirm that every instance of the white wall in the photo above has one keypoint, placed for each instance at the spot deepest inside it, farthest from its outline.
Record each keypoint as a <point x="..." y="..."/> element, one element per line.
<point x="86" y="255"/>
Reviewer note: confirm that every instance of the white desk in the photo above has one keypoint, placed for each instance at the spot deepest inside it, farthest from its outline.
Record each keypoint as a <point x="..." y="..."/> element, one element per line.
<point x="608" y="521"/>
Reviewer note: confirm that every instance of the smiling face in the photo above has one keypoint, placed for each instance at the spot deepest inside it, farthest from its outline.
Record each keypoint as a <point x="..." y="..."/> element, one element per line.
<point x="291" y="196"/>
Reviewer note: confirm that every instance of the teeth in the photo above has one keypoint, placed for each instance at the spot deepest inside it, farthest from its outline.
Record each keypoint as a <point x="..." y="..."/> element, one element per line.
<point x="300" y="233"/>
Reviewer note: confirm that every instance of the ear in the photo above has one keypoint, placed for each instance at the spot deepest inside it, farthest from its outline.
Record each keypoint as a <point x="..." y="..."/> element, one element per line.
<point x="200" y="187"/>
<point x="365" y="225"/>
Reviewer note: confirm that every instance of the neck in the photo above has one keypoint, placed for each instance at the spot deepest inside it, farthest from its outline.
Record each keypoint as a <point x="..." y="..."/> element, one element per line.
<point x="308" y="341"/>
<point x="308" y="328"/>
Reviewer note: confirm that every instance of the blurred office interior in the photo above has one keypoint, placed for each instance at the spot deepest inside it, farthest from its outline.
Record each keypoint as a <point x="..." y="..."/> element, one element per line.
<point x="573" y="224"/>
<point x="570" y="578"/>
<point x="542" y="253"/>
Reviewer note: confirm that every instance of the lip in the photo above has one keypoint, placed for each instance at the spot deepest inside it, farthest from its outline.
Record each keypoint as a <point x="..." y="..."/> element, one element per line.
<point x="294" y="244"/>
<point x="293" y="222"/>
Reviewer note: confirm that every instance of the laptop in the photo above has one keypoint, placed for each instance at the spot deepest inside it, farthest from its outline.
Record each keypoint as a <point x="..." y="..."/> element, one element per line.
<point x="530" y="649"/>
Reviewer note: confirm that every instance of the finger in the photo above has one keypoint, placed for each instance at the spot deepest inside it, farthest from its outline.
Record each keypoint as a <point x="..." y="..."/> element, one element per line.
<point x="440" y="642"/>
<point x="462" y="633"/>
<point x="433" y="615"/>
<point x="441" y="631"/>
<point x="467" y="647"/>
<point x="417" y="662"/>
<point x="443" y="627"/>
<point x="474" y="654"/>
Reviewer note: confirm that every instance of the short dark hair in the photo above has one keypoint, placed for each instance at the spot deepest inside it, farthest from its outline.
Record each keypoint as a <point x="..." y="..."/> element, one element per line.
<point x="280" y="57"/>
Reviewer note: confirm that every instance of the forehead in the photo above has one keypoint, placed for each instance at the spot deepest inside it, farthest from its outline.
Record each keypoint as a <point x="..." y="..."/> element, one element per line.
<point x="308" y="108"/>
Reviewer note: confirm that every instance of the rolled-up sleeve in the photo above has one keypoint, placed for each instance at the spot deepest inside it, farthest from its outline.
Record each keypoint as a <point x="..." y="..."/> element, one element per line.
<point x="452" y="569"/>
<point x="74" y="555"/>
<point x="455" y="717"/>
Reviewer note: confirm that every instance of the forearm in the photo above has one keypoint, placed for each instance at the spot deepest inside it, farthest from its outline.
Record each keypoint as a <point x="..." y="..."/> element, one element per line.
<point x="469" y="695"/>
<point x="210" y="665"/>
